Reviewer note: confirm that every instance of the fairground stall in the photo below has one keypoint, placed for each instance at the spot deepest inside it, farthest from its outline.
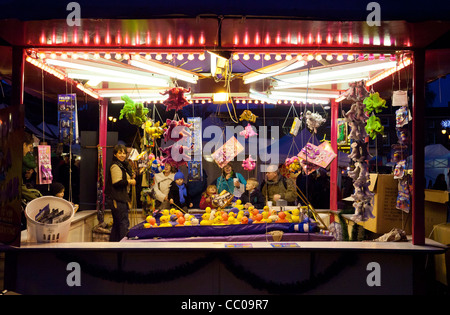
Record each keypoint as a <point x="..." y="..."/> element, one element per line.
<point x="240" y="86"/>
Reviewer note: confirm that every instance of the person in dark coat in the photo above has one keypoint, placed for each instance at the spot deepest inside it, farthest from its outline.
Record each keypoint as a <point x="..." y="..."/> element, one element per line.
<point x="178" y="194"/>
<point x="252" y="195"/>
<point x="120" y="178"/>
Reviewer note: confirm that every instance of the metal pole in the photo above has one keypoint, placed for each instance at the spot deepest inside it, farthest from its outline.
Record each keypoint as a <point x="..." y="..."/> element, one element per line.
<point x="418" y="148"/>
<point x="334" y="164"/>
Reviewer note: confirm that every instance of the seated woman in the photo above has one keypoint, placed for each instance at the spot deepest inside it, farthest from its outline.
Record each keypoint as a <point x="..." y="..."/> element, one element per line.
<point x="230" y="181"/>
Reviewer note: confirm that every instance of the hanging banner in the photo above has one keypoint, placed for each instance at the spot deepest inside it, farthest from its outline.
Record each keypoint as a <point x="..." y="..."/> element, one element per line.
<point x="195" y="167"/>
<point x="45" y="164"/>
<point x="67" y="118"/>
<point x="11" y="152"/>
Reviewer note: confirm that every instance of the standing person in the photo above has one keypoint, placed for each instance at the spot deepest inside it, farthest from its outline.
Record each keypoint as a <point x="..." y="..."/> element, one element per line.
<point x="276" y="186"/>
<point x="29" y="161"/>
<point x="440" y="183"/>
<point x="230" y="181"/>
<point x="161" y="186"/>
<point x="120" y="178"/>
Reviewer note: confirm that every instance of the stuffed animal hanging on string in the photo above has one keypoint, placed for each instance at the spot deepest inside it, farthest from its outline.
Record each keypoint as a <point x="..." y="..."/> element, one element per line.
<point x="176" y="99"/>
<point x="249" y="164"/>
<point x="135" y="113"/>
<point x="175" y="130"/>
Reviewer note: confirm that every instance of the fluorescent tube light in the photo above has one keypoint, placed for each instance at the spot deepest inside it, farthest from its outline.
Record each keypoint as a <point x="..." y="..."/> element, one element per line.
<point x="163" y="69"/>
<point x="277" y="68"/>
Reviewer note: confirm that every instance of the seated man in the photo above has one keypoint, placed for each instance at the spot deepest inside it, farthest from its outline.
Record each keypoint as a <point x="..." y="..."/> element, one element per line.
<point x="276" y="187"/>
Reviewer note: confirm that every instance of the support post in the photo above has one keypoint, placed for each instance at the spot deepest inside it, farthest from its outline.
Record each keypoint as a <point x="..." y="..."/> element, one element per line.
<point x="418" y="148"/>
<point x="334" y="164"/>
<point x="103" y="133"/>
<point x="18" y="69"/>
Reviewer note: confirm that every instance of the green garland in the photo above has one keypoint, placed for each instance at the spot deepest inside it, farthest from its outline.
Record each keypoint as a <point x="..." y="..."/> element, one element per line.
<point x="344" y="261"/>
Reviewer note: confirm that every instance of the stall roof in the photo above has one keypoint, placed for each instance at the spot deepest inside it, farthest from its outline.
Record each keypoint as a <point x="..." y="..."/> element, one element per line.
<point x="237" y="26"/>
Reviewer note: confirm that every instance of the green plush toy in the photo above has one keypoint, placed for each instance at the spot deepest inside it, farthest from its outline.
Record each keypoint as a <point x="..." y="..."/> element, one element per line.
<point x="374" y="103"/>
<point x="374" y="126"/>
<point x="135" y="113"/>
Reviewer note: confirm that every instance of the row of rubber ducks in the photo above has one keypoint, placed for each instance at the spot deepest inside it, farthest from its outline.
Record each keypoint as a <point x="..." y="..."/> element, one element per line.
<point x="174" y="218"/>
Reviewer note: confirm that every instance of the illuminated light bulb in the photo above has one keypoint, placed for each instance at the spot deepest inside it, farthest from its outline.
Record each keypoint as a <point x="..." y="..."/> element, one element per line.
<point x="86" y="56"/>
<point x="329" y="57"/>
<point x="267" y="57"/>
<point x="180" y="57"/>
<point x="158" y="57"/>
<point x="285" y="101"/>
<point x="256" y="57"/>
<point x="350" y="57"/>
<point x="246" y="57"/>
<point x="256" y="101"/>
<point x="203" y="102"/>
<point x="244" y="101"/>
<point x="235" y="56"/>
<point x="75" y="56"/>
<point x="201" y="57"/>
<point x="278" y="57"/>
<point x="169" y="56"/>
<point x="310" y="57"/>
<point x="371" y="57"/>
<point x="318" y="57"/>
<point x="53" y="55"/>
<point x="190" y="57"/>
<point x="288" y="57"/>
<point x="339" y="57"/>
<point x="42" y="55"/>
<point x="118" y="56"/>
<point x="299" y="57"/>
<point x="392" y="58"/>
<point x="107" y="56"/>
<point x="64" y="56"/>
<point x="361" y="57"/>
<point x="382" y="57"/>
<point x="96" y="56"/>
<point x="136" y="56"/>
<point x="126" y="56"/>
<point x="148" y="56"/>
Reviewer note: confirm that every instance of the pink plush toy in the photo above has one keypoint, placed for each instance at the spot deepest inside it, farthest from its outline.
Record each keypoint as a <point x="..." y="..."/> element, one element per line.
<point x="248" y="132"/>
<point x="176" y="130"/>
<point x="176" y="98"/>
<point x="249" y="164"/>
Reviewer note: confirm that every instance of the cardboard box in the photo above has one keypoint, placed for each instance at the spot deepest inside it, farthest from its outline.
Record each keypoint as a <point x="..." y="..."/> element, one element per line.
<point x="441" y="234"/>
<point x="435" y="209"/>
<point x="387" y="216"/>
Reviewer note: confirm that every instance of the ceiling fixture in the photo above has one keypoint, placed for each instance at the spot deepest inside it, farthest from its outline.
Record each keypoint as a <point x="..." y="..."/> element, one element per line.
<point x="160" y="68"/>
<point x="274" y="69"/>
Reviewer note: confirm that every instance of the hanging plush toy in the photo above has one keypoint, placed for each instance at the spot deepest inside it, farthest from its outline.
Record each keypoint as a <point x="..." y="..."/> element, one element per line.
<point x="154" y="130"/>
<point x="374" y="103"/>
<point x="176" y="99"/>
<point x="374" y="127"/>
<point x="249" y="164"/>
<point x="293" y="164"/>
<point x="176" y="155"/>
<point x="135" y="113"/>
<point x="248" y="115"/>
<point x="248" y="132"/>
<point x="314" y="120"/>
<point x="181" y="130"/>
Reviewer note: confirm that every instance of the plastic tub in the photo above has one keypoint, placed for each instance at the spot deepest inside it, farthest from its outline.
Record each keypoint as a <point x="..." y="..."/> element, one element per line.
<point x="48" y="233"/>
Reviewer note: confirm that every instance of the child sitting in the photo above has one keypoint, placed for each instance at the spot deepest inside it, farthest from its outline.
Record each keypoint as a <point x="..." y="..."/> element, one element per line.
<point x="178" y="192"/>
<point x="207" y="197"/>
<point x="252" y="195"/>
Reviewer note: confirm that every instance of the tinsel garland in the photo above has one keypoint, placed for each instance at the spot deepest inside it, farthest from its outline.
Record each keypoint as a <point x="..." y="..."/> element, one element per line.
<point x="158" y="276"/>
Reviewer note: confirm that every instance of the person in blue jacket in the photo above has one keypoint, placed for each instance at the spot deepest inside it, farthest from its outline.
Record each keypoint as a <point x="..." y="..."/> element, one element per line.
<point x="231" y="181"/>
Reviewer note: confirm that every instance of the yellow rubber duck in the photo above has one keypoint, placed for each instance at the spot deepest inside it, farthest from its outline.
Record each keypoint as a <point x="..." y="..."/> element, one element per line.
<point x="295" y="216"/>
<point x="205" y="219"/>
<point x="164" y="221"/>
<point x="238" y="204"/>
<point x="218" y="221"/>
